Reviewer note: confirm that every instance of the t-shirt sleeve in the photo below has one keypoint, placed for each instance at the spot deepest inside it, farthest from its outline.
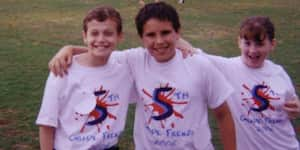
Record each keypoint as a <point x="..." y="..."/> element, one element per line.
<point x="120" y="56"/>
<point x="218" y="89"/>
<point x="219" y="62"/>
<point x="48" y="114"/>
<point x="133" y="95"/>
<point x="131" y="57"/>
<point x="291" y="93"/>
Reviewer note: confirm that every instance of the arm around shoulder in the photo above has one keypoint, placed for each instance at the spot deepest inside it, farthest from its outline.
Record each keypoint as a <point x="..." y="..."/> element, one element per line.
<point x="63" y="58"/>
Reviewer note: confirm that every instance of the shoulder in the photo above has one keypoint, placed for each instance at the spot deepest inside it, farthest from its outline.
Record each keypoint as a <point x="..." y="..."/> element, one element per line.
<point x="55" y="84"/>
<point x="199" y="60"/>
<point x="56" y="80"/>
<point x="201" y="66"/>
<point x="131" y="53"/>
<point x="273" y="68"/>
<point x="136" y="52"/>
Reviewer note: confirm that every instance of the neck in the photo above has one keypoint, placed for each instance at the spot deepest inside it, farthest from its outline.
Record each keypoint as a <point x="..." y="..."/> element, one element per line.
<point x="92" y="61"/>
<point x="170" y="56"/>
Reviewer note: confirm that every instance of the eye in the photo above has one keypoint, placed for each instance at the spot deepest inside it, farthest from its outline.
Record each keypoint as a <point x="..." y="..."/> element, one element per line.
<point x="247" y="43"/>
<point x="150" y="34"/>
<point x="165" y="32"/>
<point x="94" y="33"/>
<point x="108" y="33"/>
<point x="259" y="44"/>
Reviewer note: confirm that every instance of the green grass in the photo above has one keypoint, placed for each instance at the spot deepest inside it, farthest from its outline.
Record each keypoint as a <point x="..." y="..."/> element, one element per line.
<point x="31" y="31"/>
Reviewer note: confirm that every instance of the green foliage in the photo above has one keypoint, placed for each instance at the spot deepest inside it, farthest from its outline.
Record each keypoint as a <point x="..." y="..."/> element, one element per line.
<point x="31" y="31"/>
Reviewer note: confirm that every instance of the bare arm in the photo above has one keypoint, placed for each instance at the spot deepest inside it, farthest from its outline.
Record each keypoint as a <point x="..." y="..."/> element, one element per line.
<point x="46" y="137"/>
<point x="226" y="126"/>
<point x="62" y="60"/>
<point x="185" y="47"/>
<point x="60" y="63"/>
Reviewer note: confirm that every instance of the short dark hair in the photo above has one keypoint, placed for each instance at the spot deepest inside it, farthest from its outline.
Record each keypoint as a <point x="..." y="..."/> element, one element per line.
<point x="257" y="28"/>
<point x="157" y="10"/>
<point x="102" y="13"/>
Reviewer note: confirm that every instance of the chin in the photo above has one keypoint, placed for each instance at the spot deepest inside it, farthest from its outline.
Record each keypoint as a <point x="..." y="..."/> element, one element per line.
<point x="254" y="66"/>
<point x="106" y="54"/>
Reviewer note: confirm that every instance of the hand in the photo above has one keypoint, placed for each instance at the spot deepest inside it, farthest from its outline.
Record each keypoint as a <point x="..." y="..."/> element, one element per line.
<point x="292" y="107"/>
<point x="61" y="61"/>
<point x="186" y="48"/>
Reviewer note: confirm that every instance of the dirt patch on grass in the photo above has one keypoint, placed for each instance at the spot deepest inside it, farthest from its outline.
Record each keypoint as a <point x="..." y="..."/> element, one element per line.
<point x="21" y="147"/>
<point x="4" y="122"/>
<point x="5" y="117"/>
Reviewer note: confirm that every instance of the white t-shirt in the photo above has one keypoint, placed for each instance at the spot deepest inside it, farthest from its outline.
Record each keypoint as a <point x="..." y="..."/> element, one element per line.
<point x="171" y="113"/>
<point x="88" y="107"/>
<point x="257" y="104"/>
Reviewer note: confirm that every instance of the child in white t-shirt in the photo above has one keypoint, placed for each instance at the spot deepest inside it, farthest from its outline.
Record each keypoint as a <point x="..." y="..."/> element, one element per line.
<point x="174" y="93"/>
<point x="264" y="97"/>
<point x="87" y="108"/>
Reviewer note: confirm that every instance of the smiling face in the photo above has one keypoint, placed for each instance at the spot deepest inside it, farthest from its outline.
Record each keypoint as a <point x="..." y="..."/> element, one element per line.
<point x="101" y="37"/>
<point x="159" y="37"/>
<point x="158" y="26"/>
<point x="254" y="53"/>
<point x="256" y="40"/>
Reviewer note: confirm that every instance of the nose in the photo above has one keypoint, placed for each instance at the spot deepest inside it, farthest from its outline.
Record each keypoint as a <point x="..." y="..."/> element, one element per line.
<point x="252" y="48"/>
<point x="159" y="39"/>
<point x="100" y="38"/>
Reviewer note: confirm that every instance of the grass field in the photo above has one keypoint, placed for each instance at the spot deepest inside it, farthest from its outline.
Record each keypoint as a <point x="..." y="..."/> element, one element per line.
<point x="31" y="31"/>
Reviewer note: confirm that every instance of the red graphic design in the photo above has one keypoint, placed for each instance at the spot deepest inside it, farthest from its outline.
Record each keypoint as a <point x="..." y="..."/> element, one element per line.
<point x="163" y="104"/>
<point x="100" y="111"/>
<point x="260" y="98"/>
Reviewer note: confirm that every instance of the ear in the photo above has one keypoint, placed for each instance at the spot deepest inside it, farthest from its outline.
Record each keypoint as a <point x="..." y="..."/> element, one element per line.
<point x="84" y="37"/>
<point x="274" y="44"/>
<point x="120" y="37"/>
<point x="239" y="40"/>
<point x="178" y="34"/>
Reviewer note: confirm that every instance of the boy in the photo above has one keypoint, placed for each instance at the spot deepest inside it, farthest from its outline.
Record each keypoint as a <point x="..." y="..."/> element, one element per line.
<point x="172" y="112"/>
<point x="87" y="109"/>
<point x="264" y="97"/>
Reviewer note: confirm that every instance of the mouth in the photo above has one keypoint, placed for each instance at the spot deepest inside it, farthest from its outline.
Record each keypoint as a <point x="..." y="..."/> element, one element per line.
<point x="161" y="49"/>
<point x="100" y="46"/>
<point x="253" y="57"/>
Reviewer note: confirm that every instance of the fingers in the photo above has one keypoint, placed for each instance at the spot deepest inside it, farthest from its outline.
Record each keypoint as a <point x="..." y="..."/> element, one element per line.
<point x="51" y="65"/>
<point x="61" y="67"/>
<point x="69" y="60"/>
<point x="186" y="52"/>
<point x="58" y="66"/>
<point x="60" y="63"/>
<point x="292" y="108"/>
<point x="65" y="63"/>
